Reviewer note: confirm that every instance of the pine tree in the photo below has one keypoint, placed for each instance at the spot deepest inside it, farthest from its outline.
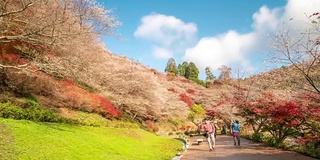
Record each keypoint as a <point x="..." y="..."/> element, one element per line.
<point x="209" y="74"/>
<point x="171" y="67"/>
<point x="183" y="68"/>
<point x="192" y="71"/>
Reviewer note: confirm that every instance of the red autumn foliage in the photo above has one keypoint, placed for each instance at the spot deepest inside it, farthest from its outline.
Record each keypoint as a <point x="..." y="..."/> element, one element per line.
<point x="151" y="126"/>
<point x="191" y="91"/>
<point x="106" y="105"/>
<point x="186" y="99"/>
<point x="287" y="113"/>
<point x="14" y="59"/>
<point x="78" y="97"/>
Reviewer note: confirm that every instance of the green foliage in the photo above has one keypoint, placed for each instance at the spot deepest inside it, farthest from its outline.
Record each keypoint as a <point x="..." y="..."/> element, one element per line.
<point x="171" y="67"/>
<point x="32" y="111"/>
<point x="258" y="137"/>
<point x="271" y="141"/>
<point x="192" y="71"/>
<point x="62" y="141"/>
<point x="209" y="74"/>
<point x="175" y="121"/>
<point x="196" y="112"/>
<point x="200" y="82"/>
<point x="310" y="149"/>
<point x="182" y="69"/>
<point x="208" y="84"/>
<point x="88" y="119"/>
<point x="91" y="119"/>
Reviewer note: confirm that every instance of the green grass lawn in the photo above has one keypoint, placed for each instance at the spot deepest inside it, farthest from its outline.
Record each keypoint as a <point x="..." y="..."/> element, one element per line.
<point x="21" y="139"/>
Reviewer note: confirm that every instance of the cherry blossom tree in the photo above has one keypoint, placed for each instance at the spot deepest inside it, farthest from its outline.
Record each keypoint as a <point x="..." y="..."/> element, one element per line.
<point x="300" y="48"/>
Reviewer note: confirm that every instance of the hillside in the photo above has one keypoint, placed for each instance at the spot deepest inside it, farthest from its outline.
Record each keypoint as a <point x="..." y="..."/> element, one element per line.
<point x="287" y="80"/>
<point x="143" y="93"/>
<point x="65" y="66"/>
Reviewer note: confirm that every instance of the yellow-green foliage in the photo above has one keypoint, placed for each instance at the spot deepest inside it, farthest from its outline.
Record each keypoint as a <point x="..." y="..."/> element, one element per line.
<point x="175" y="121"/>
<point x="90" y="119"/>
<point x="196" y="112"/>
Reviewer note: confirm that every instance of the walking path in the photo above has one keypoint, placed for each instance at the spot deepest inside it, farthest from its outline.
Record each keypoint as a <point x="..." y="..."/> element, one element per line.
<point x="225" y="150"/>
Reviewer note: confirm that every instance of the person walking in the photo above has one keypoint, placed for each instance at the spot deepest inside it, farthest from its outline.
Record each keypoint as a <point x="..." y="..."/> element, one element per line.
<point x="235" y="130"/>
<point x="209" y="132"/>
<point x="224" y="129"/>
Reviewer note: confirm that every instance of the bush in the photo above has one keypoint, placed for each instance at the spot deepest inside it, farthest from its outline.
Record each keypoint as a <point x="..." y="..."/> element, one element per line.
<point x="310" y="149"/>
<point x="270" y="141"/>
<point x="198" y="81"/>
<point x="258" y="137"/>
<point x="90" y="120"/>
<point x="32" y="112"/>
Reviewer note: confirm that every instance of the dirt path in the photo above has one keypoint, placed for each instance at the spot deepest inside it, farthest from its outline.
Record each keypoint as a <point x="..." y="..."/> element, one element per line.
<point x="225" y="150"/>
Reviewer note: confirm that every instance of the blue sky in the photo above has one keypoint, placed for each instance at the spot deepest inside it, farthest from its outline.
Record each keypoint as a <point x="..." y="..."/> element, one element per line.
<point x="211" y="33"/>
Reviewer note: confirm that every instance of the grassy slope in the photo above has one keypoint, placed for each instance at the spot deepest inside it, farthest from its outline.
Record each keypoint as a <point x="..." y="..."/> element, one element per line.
<point x="30" y="140"/>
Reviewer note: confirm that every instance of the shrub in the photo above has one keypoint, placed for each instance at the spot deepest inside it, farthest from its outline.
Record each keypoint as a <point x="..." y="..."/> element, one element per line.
<point x="151" y="126"/>
<point x="311" y="149"/>
<point x="258" y="137"/>
<point x="34" y="112"/>
<point x="271" y="141"/>
<point x="80" y="99"/>
<point x="90" y="120"/>
<point x="186" y="99"/>
<point x="107" y="106"/>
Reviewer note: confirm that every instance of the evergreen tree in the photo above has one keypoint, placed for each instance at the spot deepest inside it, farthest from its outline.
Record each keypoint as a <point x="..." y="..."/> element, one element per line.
<point x="171" y="67"/>
<point x="192" y="72"/>
<point x="209" y="74"/>
<point x="183" y="68"/>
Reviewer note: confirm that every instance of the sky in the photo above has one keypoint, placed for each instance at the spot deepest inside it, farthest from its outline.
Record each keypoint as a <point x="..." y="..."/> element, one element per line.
<point x="234" y="33"/>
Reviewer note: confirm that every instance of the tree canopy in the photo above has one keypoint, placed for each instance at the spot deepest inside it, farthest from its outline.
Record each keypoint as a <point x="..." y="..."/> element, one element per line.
<point x="171" y="67"/>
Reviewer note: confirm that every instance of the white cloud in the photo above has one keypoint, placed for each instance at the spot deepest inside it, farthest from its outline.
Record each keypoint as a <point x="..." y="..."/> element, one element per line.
<point x="162" y="53"/>
<point x="265" y="20"/>
<point x="165" y="30"/>
<point x="235" y="49"/>
<point x="221" y="50"/>
<point x="298" y="9"/>
<point x="232" y="48"/>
